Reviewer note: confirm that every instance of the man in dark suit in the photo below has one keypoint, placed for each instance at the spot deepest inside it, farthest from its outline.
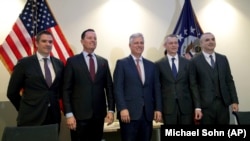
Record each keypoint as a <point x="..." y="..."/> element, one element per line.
<point x="86" y="95"/>
<point x="212" y="84"/>
<point x="137" y="93"/>
<point x="37" y="101"/>
<point x="175" y="90"/>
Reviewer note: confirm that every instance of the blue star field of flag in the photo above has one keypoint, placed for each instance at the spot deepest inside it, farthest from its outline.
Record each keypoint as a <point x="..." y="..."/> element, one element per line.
<point x="36" y="16"/>
<point x="187" y="29"/>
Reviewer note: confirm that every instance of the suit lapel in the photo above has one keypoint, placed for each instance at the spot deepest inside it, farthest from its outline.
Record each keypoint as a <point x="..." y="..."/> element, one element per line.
<point x="145" y="65"/>
<point x="55" y="67"/>
<point x="100" y="64"/>
<point x="167" y="68"/>
<point x="38" y="68"/>
<point x="167" y="64"/>
<point x="218" y="61"/>
<point x="180" y="67"/>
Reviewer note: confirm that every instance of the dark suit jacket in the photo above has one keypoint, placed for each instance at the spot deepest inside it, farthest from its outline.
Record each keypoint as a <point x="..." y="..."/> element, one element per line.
<point x="131" y="93"/>
<point x="202" y="84"/>
<point x="33" y="104"/>
<point x="83" y="97"/>
<point x="172" y="88"/>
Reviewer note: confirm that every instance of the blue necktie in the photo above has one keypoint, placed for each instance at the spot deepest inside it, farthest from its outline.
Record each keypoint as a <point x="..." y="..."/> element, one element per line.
<point x="48" y="77"/>
<point x="211" y="61"/>
<point x="174" y="70"/>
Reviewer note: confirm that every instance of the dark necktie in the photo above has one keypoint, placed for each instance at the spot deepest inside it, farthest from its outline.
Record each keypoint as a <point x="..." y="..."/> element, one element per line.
<point x="138" y="67"/>
<point x="91" y="67"/>
<point x="211" y="61"/>
<point x="48" y="77"/>
<point x="174" y="70"/>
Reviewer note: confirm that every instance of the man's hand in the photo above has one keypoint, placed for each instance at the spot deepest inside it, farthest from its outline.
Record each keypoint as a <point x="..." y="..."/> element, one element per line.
<point x="109" y="118"/>
<point x="157" y="116"/>
<point x="71" y="123"/>
<point x="125" y="116"/>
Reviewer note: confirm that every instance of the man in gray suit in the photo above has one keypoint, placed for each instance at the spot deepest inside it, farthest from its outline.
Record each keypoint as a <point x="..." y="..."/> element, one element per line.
<point x="212" y="84"/>
<point x="175" y="90"/>
<point x="38" y="103"/>
<point x="137" y="93"/>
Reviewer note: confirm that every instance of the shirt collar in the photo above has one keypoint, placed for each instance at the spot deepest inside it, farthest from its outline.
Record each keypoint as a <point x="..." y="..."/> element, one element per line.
<point x="40" y="57"/>
<point x="170" y="57"/>
<point x="207" y="55"/>
<point x="134" y="58"/>
<point x="85" y="54"/>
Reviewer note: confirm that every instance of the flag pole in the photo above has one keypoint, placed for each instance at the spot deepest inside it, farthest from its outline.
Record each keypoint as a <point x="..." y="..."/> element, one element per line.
<point x="34" y="25"/>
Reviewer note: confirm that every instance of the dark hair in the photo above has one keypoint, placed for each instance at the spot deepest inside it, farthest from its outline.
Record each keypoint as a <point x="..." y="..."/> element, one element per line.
<point x="84" y="32"/>
<point x="38" y="35"/>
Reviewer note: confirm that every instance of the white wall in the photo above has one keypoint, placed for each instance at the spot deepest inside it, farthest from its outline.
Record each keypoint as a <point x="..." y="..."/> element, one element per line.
<point x="115" y="20"/>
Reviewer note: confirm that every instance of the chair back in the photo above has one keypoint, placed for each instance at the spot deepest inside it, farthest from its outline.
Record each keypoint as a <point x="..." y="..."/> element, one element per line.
<point x="31" y="133"/>
<point x="242" y="117"/>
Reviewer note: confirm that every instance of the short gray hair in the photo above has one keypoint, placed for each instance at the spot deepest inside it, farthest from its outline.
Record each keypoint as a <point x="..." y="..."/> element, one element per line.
<point x="135" y="35"/>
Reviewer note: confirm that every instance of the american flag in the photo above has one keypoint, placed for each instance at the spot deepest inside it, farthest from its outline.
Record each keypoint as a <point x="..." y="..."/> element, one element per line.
<point x="35" y="17"/>
<point x="187" y="29"/>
